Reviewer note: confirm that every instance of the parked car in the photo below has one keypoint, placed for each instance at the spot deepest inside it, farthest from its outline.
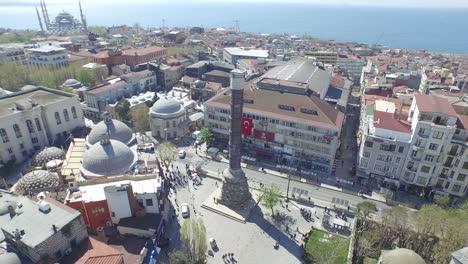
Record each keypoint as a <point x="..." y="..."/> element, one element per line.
<point x="182" y="154"/>
<point x="146" y="147"/>
<point x="185" y="210"/>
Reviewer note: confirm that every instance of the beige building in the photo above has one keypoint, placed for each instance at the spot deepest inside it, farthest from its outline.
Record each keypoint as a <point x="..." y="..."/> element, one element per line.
<point x="168" y="118"/>
<point x="33" y="119"/>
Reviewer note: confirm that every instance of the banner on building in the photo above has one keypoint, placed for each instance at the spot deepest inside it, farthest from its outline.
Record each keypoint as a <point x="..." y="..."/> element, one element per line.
<point x="247" y="125"/>
<point x="264" y="135"/>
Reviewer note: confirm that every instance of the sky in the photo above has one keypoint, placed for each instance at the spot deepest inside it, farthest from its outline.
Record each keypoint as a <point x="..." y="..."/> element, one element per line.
<point x="392" y="3"/>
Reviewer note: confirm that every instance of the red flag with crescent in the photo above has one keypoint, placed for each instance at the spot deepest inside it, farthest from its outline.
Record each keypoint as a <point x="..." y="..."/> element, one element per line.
<point x="247" y="125"/>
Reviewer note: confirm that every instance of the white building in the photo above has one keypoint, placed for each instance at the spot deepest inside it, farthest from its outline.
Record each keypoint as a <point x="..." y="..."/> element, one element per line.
<point x="385" y="141"/>
<point x="33" y="119"/>
<point x="233" y="54"/>
<point x="47" y="56"/>
<point x="168" y="118"/>
<point x="352" y="65"/>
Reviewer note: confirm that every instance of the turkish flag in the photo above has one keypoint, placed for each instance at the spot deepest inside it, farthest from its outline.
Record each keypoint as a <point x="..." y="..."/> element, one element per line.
<point x="247" y="125"/>
<point x="124" y="27"/>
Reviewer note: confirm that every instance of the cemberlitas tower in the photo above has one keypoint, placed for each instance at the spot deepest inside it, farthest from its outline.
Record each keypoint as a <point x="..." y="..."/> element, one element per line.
<point x="235" y="189"/>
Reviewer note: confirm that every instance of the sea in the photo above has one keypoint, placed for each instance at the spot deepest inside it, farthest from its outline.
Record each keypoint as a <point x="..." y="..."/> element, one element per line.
<point x="433" y="29"/>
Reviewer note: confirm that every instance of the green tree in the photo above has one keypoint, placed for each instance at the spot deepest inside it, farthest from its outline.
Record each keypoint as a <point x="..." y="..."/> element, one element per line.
<point x="167" y="153"/>
<point x="100" y="30"/>
<point x="442" y="200"/>
<point x="332" y="250"/>
<point x="365" y="208"/>
<point x="13" y="76"/>
<point x="179" y="257"/>
<point x="193" y="237"/>
<point x="140" y="117"/>
<point x="122" y="108"/>
<point x="86" y="78"/>
<point x="205" y="135"/>
<point x="271" y="197"/>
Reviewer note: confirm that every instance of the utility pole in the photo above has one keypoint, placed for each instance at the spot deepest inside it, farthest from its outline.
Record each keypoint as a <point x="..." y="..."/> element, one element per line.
<point x="287" y="191"/>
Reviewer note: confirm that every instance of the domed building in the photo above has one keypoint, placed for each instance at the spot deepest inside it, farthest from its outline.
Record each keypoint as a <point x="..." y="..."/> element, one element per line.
<point x="168" y="118"/>
<point x="36" y="180"/>
<point x="400" y="256"/>
<point x="107" y="158"/>
<point x="116" y="130"/>
<point x="46" y="155"/>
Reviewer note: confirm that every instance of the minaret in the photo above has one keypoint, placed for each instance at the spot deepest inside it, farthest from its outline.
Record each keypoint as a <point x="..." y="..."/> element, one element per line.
<point x="83" y="19"/>
<point x="39" y="18"/>
<point x="235" y="189"/>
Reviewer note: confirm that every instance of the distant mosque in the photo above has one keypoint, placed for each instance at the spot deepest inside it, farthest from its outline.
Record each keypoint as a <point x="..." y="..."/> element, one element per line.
<point x="63" y="22"/>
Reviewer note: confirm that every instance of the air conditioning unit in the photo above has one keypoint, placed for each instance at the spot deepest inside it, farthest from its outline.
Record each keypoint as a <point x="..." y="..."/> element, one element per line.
<point x="68" y="251"/>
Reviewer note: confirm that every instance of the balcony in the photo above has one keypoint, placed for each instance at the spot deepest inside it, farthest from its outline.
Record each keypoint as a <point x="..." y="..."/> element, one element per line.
<point x="453" y="153"/>
<point x="413" y="169"/>
<point x="443" y="176"/>
<point x="416" y="158"/>
<point x="423" y="135"/>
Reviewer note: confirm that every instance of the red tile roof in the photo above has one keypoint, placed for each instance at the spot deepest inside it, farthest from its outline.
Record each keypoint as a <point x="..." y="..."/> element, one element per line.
<point x="387" y="121"/>
<point x="434" y="104"/>
<point x="98" y="252"/>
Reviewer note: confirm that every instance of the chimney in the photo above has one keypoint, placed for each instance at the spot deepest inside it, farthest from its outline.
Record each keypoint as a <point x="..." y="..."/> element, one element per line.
<point x="12" y="211"/>
<point x="54" y="227"/>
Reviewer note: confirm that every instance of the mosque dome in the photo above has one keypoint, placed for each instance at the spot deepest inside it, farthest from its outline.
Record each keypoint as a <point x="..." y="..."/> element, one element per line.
<point x="166" y="106"/>
<point x="401" y="256"/>
<point x="64" y="17"/>
<point x="116" y="130"/>
<point x="109" y="157"/>
<point x="36" y="180"/>
<point x="46" y="155"/>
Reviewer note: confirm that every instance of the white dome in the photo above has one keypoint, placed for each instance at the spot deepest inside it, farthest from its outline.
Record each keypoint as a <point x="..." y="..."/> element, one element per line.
<point x="166" y="106"/>
<point x="117" y="130"/>
<point x="36" y="180"/>
<point x="104" y="159"/>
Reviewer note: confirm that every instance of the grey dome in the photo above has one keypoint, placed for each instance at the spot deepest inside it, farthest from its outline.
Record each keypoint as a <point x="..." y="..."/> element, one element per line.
<point x="9" y="258"/>
<point x="36" y="180"/>
<point x="104" y="159"/>
<point x="117" y="130"/>
<point x="72" y="83"/>
<point x="166" y="106"/>
<point x="401" y="256"/>
<point x="46" y="155"/>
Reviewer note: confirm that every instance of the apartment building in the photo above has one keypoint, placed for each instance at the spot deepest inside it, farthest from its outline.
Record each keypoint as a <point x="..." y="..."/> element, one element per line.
<point x="47" y="56"/>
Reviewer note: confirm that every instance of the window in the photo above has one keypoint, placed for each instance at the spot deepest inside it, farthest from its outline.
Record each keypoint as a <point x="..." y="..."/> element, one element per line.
<point x="422" y="130"/>
<point x="381" y="157"/>
<point x="4" y="135"/>
<point x="65" y="115"/>
<point x="397" y="160"/>
<point x="38" y="124"/>
<point x="461" y="177"/>
<point x="73" y="110"/>
<point x="21" y="146"/>
<point x="401" y="149"/>
<point x="363" y="164"/>
<point x="286" y="107"/>
<point x="149" y="202"/>
<point x="113" y="214"/>
<point x="17" y="130"/>
<point x="421" y="180"/>
<point x="34" y="140"/>
<point x="429" y="158"/>
<point x="433" y="146"/>
<point x="465" y="165"/>
<point x="30" y="126"/>
<point x="309" y="111"/>
<point x="173" y="123"/>
<point x="168" y="124"/>
<point x="10" y="150"/>
<point x="57" y="118"/>
<point x="366" y="154"/>
<point x="425" y="169"/>
<point x="456" y="188"/>
<point x="437" y="134"/>
<point x="369" y="144"/>
<point x="387" y="147"/>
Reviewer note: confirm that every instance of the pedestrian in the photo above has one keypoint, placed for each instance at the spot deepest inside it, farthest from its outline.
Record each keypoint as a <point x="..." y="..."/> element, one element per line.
<point x="297" y="229"/>
<point x="216" y="182"/>
<point x="286" y="206"/>
<point x="294" y="235"/>
<point x="232" y="256"/>
<point x="224" y="256"/>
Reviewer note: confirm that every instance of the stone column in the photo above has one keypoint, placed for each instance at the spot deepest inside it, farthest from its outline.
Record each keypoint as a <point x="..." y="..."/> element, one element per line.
<point x="235" y="189"/>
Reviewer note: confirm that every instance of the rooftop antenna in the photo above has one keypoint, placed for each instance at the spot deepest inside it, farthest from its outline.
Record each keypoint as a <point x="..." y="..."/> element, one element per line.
<point x="237" y="28"/>
<point x="40" y="21"/>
